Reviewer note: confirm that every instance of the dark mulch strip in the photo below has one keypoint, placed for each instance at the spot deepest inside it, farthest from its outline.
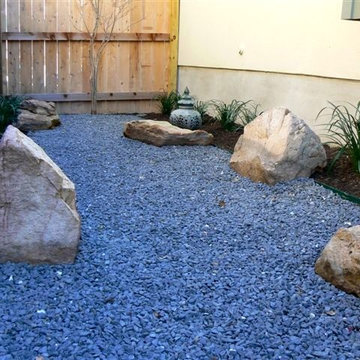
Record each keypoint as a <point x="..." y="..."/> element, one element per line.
<point x="342" y="177"/>
<point x="222" y="139"/>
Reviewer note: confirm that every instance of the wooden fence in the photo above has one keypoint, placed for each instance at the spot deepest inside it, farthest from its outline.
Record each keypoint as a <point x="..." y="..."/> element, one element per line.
<point x="45" y="54"/>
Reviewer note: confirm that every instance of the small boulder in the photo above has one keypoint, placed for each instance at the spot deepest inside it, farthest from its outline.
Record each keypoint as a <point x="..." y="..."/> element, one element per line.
<point x="38" y="218"/>
<point x="37" y="115"/>
<point x="161" y="133"/>
<point x="339" y="262"/>
<point x="39" y="107"/>
<point x="277" y="146"/>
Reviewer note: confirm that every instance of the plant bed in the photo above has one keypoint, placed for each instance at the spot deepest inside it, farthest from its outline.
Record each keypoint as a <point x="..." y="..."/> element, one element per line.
<point x="342" y="178"/>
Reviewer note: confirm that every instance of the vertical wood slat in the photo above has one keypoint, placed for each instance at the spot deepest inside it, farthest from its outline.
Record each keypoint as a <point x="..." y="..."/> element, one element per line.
<point x="76" y="56"/>
<point x="146" y="50"/>
<point x="136" y="13"/>
<point x="38" y="47"/>
<point x="51" y="47"/>
<point x="123" y="50"/>
<point x="159" y="81"/>
<point x="3" y="64"/>
<point x="85" y="68"/>
<point x="13" y="85"/>
<point x="86" y="21"/>
<point x="3" y="26"/>
<point x="25" y="48"/>
<point x="63" y="25"/>
<point x="75" y="50"/>
<point x="123" y="63"/>
<point x="103" y="72"/>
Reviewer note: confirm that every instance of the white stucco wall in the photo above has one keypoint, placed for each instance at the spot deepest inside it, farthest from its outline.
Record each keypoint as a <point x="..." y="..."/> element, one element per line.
<point x="294" y="36"/>
<point x="296" y="53"/>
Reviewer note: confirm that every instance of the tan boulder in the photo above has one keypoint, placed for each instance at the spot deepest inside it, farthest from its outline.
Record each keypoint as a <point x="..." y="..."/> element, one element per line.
<point x="38" y="218"/>
<point x="277" y="146"/>
<point x="339" y="262"/>
<point x="37" y="115"/>
<point x="161" y="133"/>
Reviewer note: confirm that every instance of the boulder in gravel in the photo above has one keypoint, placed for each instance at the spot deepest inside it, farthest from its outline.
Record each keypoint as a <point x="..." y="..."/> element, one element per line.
<point x="161" y="133"/>
<point x="339" y="263"/>
<point x="37" y="115"/>
<point x="277" y="146"/>
<point x="38" y="218"/>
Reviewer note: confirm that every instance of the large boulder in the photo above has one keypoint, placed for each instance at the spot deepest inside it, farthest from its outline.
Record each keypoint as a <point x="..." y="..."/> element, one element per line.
<point x="339" y="262"/>
<point x="162" y="133"/>
<point x="38" y="218"/>
<point x="37" y="115"/>
<point x="277" y="146"/>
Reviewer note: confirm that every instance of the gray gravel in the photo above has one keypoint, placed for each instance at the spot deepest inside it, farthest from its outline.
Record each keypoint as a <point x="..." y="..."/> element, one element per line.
<point x="180" y="258"/>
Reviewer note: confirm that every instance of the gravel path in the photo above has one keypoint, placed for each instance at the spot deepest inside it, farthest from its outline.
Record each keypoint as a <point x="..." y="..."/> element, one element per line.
<point x="180" y="258"/>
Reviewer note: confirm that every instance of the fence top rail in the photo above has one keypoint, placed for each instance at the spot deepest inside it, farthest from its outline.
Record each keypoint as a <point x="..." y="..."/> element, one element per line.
<point x="82" y="36"/>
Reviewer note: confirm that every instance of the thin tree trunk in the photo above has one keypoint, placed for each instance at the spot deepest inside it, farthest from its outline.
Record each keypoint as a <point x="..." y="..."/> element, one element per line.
<point x="107" y="24"/>
<point x="94" y="74"/>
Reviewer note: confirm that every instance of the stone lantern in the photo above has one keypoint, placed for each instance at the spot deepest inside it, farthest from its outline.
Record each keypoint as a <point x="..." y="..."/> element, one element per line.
<point x="185" y="116"/>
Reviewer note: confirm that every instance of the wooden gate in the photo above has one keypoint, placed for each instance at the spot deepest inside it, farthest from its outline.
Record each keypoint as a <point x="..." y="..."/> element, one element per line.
<point x="45" y="54"/>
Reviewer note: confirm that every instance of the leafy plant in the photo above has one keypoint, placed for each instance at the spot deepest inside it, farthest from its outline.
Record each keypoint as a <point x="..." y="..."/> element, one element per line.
<point x="168" y="102"/>
<point x="227" y="114"/>
<point x="248" y="113"/>
<point x="344" y="132"/>
<point x="202" y="107"/>
<point x="9" y="106"/>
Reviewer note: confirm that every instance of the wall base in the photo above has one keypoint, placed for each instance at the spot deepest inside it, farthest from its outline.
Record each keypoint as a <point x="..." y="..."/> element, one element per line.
<point x="304" y="95"/>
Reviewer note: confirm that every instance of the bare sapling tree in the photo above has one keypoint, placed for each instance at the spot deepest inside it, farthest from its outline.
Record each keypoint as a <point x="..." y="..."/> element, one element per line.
<point x="99" y="18"/>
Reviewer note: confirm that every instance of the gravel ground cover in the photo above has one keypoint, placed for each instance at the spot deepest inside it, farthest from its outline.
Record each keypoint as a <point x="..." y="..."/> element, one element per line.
<point x="180" y="258"/>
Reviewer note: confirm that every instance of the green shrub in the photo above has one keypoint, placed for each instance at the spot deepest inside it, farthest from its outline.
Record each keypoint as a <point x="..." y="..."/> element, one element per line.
<point x="202" y="107"/>
<point x="9" y="106"/>
<point x="344" y="132"/>
<point x="168" y="102"/>
<point x="227" y="114"/>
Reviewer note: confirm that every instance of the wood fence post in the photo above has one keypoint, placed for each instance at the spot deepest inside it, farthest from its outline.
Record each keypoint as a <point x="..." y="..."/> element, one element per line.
<point x="174" y="44"/>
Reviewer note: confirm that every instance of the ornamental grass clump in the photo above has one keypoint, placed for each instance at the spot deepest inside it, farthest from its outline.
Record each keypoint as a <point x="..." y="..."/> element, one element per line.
<point x="236" y="115"/>
<point x="168" y="102"/>
<point x="344" y="132"/>
<point x="227" y="114"/>
<point x="9" y="106"/>
<point x="201" y="107"/>
<point x="248" y="113"/>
